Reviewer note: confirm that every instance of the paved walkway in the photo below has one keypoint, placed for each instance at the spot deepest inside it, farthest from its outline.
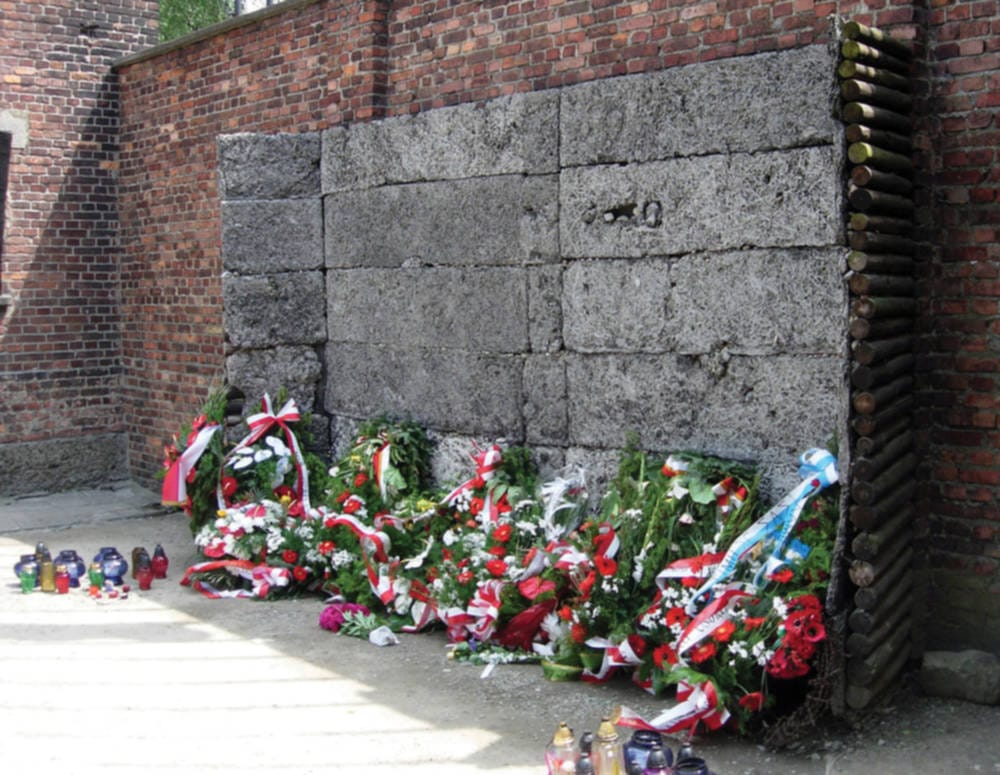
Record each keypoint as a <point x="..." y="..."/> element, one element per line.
<point x="168" y="681"/>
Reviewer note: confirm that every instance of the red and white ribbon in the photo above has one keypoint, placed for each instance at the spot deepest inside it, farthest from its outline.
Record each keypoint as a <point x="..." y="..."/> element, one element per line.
<point x="484" y="608"/>
<point x="717" y="612"/>
<point x="698" y="704"/>
<point x="174" y="490"/>
<point x="700" y="567"/>
<point x="261" y="577"/>
<point x="487" y="462"/>
<point x="615" y="655"/>
<point x="729" y="495"/>
<point x="259" y="425"/>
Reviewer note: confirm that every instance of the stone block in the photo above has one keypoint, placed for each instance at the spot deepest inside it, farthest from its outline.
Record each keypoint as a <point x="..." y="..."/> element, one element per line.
<point x="482" y="310"/>
<point x="518" y="134"/>
<point x="259" y="166"/>
<point x="499" y="220"/>
<point x="445" y="390"/>
<point x="969" y="675"/>
<point x="287" y="308"/>
<point x="721" y="202"/>
<point x="545" y="408"/>
<point x="545" y="308"/>
<point x="759" y="301"/>
<point x="274" y="235"/>
<point x="773" y="100"/>
<point x="619" y="306"/>
<point x="749" y="408"/>
<point x="256" y="372"/>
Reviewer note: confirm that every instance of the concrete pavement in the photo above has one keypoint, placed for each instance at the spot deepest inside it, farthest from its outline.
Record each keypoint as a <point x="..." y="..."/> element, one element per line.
<point x="169" y="681"/>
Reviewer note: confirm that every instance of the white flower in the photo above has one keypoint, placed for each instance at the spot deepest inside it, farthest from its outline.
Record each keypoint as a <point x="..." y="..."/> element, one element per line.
<point x="242" y="462"/>
<point x="333" y="470"/>
<point x="526" y="527"/>
<point x="676" y="491"/>
<point x="277" y="445"/>
<point x="449" y="537"/>
<point x="262" y="454"/>
<point x="686" y="518"/>
<point x="554" y="627"/>
<point x="340" y="558"/>
<point x="779" y="607"/>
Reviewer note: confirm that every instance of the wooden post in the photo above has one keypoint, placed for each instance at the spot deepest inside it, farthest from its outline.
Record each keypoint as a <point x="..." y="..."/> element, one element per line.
<point x="884" y="224"/>
<point x="867" y="493"/>
<point x="869" y="200"/>
<point x="873" y="36"/>
<point x="893" y="99"/>
<point x="862" y="644"/>
<point x="868" y="597"/>
<point x="863" y="328"/>
<point x="872" y="444"/>
<point x="866" y="176"/>
<point x="851" y="68"/>
<point x="859" y="697"/>
<point x="862" y="52"/>
<point x="865" y="377"/>
<point x="867" y="546"/>
<point x="874" y="242"/>
<point x="866" y="153"/>
<point x="874" y="116"/>
<point x="876" y="350"/>
<point x="871" y="516"/>
<point x="883" y="306"/>
<point x="865" y="468"/>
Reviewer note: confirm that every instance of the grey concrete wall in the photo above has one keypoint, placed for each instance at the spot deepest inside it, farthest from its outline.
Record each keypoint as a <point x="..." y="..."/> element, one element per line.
<point x="659" y="253"/>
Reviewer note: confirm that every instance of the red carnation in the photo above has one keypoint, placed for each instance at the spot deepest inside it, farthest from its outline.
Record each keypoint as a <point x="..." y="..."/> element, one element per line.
<point x="496" y="567"/>
<point x="663" y="656"/>
<point x="290" y="556"/>
<point x="300" y="573"/>
<point x="724" y="632"/>
<point x="502" y="532"/>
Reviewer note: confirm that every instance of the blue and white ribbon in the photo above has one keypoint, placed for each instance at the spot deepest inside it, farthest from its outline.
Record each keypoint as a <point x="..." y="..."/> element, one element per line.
<point x="818" y="469"/>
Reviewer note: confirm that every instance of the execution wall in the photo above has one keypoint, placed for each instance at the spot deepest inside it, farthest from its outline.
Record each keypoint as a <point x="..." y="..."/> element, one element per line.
<point x="658" y="253"/>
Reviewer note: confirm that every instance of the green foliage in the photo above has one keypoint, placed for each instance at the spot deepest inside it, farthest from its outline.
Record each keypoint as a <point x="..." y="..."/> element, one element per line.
<point x="179" y="17"/>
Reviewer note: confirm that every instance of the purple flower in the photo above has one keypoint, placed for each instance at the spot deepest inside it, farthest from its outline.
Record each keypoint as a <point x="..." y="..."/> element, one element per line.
<point x="332" y="617"/>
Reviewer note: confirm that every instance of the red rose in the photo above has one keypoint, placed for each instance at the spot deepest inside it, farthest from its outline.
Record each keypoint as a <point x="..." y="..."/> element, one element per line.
<point x="496" y="567"/>
<point x="300" y="573"/>
<point x="752" y="702"/>
<point x="502" y="533"/>
<point x="290" y="556"/>
<point x="702" y="652"/>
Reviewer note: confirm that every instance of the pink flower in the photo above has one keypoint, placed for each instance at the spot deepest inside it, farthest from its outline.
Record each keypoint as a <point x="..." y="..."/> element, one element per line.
<point x="332" y="617"/>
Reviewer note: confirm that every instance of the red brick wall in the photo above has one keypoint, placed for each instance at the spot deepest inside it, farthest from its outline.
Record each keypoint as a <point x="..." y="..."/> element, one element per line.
<point x="59" y="332"/>
<point x="959" y="364"/>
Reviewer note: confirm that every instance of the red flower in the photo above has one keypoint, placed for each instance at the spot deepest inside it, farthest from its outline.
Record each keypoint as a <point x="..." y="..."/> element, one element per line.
<point x="787" y="664"/>
<point x="724" y="632"/>
<point x="702" y="652"/>
<point x="605" y="565"/>
<point x="753" y="622"/>
<point x="300" y="573"/>
<point x="565" y="613"/>
<point x="497" y="551"/>
<point x="587" y="584"/>
<point x="199" y="422"/>
<point x="475" y="506"/>
<point x="464" y="577"/>
<point x="502" y="532"/>
<point x="360" y="479"/>
<point x="326" y="547"/>
<point x="296" y="509"/>
<point x="752" y="702"/>
<point x="637" y="644"/>
<point x="664" y="655"/>
<point x="676" y="615"/>
<point x="290" y="556"/>
<point x="496" y="567"/>
<point x="578" y="633"/>
<point x="807" y="603"/>
<point x="523" y="627"/>
<point x="343" y="496"/>
<point x="229" y="486"/>
<point x="503" y="505"/>
<point x="432" y="573"/>
<point x="353" y="504"/>
<point x="668" y="471"/>
<point x="782" y="576"/>
<point x="533" y="587"/>
<point x="329" y="522"/>
<point x="446" y="554"/>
